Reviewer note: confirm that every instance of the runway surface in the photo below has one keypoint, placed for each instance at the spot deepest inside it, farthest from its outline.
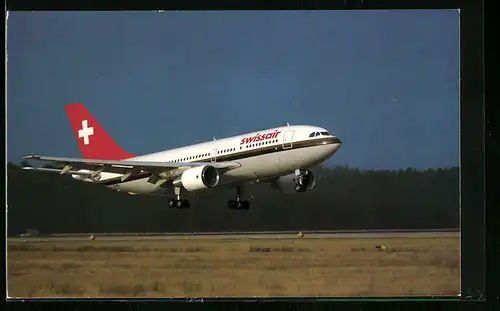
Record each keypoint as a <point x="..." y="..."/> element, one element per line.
<point x="242" y="235"/>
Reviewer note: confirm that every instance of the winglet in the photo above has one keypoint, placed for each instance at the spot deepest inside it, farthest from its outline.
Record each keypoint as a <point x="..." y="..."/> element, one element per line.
<point x="93" y="140"/>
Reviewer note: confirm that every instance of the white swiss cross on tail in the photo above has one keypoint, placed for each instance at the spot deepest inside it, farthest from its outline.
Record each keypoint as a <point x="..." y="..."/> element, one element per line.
<point x="85" y="132"/>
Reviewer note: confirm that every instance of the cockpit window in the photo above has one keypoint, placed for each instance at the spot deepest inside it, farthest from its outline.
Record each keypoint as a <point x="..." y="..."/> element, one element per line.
<point x="325" y="133"/>
<point x="317" y="133"/>
<point x="312" y="134"/>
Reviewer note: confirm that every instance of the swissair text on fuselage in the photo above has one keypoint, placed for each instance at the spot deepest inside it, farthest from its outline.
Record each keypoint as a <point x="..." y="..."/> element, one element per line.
<point x="259" y="137"/>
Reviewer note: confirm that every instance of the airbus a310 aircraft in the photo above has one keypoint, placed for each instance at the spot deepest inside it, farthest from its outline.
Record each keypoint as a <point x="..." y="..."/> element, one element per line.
<point x="279" y="156"/>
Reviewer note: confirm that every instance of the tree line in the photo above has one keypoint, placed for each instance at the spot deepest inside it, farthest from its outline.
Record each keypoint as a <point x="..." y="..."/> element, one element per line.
<point x="344" y="198"/>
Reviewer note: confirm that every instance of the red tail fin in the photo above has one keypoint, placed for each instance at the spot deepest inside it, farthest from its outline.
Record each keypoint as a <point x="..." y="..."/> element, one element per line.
<point x="93" y="140"/>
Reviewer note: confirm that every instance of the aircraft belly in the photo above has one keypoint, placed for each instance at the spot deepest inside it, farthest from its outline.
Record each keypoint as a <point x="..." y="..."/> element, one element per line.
<point x="276" y="164"/>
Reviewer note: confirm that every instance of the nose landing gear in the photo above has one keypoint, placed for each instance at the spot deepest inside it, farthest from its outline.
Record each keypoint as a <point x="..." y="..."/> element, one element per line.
<point x="302" y="180"/>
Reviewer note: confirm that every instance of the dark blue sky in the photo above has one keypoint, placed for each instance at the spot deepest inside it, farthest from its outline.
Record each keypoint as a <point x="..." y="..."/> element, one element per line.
<point x="385" y="82"/>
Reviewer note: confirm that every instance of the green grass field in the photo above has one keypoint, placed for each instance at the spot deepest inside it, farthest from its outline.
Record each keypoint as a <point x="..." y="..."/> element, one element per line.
<point x="234" y="267"/>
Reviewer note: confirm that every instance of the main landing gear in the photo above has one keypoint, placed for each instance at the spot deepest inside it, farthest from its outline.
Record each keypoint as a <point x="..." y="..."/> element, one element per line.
<point x="178" y="202"/>
<point x="238" y="204"/>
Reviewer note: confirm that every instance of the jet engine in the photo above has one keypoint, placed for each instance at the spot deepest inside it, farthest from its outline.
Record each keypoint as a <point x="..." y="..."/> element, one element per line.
<point x="198" y="178"/>
<point x="290" y="183"/>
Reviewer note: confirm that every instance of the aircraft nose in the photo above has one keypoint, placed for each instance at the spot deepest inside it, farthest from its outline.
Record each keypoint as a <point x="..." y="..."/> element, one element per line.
<point x="332" y="145"/>
<point x="333" y="140"/>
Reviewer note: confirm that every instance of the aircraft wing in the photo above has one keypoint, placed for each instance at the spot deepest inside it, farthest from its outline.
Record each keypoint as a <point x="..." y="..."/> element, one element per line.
<point x="125" y="167"/>
<point x="55" y="170"/>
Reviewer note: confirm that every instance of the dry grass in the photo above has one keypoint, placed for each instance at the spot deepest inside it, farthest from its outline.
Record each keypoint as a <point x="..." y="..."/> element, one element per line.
<point x="202" y="268"/>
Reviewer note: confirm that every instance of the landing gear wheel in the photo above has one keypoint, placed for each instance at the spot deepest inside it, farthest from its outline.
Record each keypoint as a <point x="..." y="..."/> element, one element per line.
<point x="180" y="204"/>
<point x="238" y="204"/>
<point x="241" y="205"/>
<point x="300" y="188"/>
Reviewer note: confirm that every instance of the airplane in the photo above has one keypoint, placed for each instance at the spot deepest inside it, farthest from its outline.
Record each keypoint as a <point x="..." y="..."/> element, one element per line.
<point x="281" y="157"/>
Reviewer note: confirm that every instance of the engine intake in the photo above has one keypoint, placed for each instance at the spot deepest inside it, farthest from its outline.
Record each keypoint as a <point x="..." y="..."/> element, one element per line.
<point x="197" y="178"/>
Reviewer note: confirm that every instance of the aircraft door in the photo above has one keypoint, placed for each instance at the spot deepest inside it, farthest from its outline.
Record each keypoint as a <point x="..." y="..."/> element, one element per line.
<point x="288" y="139"/>
<point x="214" y="156"/>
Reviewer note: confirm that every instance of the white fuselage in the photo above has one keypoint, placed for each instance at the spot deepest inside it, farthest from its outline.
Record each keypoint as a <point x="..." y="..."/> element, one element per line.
<point x="263" y="155"/>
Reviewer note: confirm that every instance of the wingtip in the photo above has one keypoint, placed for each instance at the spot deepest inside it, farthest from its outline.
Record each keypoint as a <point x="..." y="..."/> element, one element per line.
<point x="31" y="157"/>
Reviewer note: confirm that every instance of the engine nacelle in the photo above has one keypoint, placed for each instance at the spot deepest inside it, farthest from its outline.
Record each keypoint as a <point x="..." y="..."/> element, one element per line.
<point x="197" y="178"/>
<point x="288" y="183"/>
